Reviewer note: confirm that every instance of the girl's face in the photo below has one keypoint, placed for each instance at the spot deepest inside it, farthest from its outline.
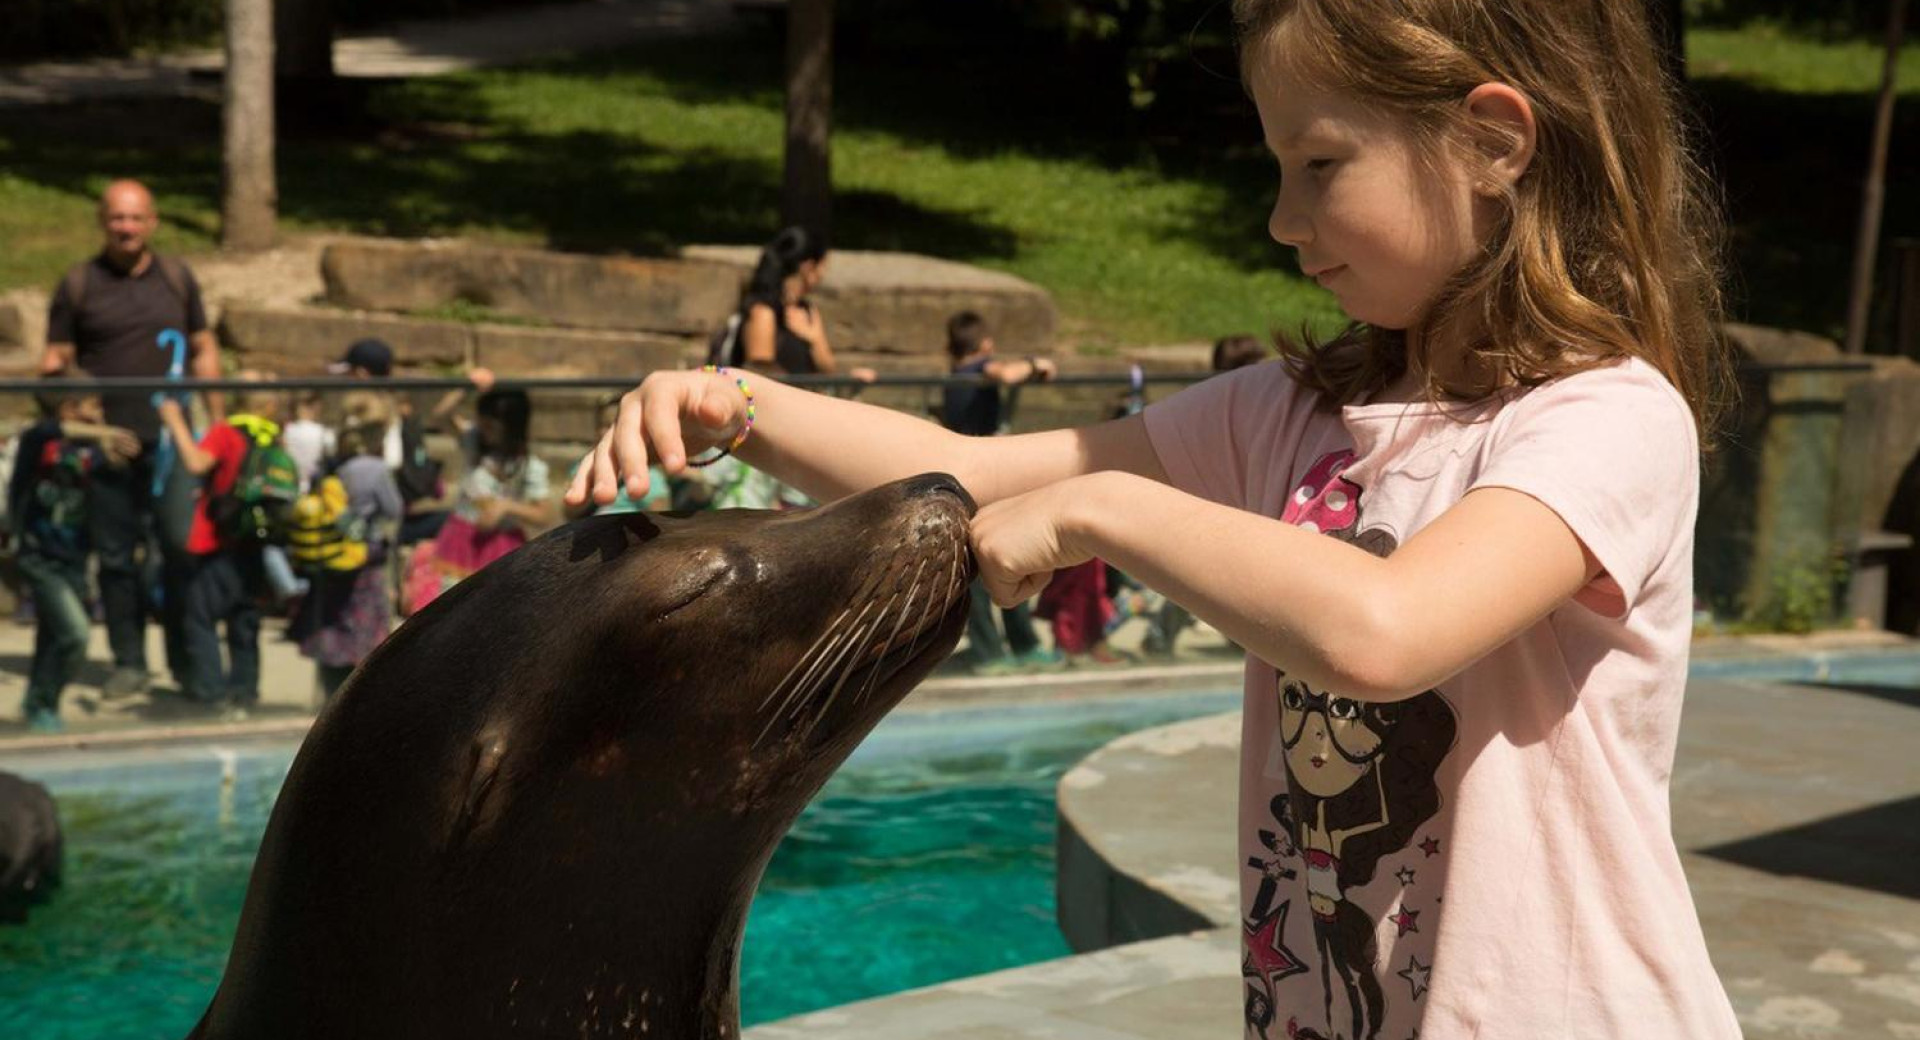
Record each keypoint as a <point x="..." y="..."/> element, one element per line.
<point x="1370" y="221"/>
<point x="1330" y="741"/>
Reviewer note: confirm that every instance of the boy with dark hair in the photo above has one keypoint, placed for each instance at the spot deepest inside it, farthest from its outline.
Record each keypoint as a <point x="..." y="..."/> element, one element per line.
<point x="47" y="507"/>
<point x="228" y="574"/>
<point x="975" y="410"/>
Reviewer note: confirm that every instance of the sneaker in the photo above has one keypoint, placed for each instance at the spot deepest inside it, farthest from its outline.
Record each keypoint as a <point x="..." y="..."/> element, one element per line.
<point x="1041" y="659"/>
<point x="126" y="682"/>
<point x="235" y="713"/>
<point x="42" y="720"/>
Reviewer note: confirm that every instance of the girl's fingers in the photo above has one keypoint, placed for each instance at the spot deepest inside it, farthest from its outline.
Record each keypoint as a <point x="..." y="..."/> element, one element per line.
<point x="606" y="476"/>
<point x="662" y="423"/>
<point x="628" y="455"/>
<point x="582" y="483"/>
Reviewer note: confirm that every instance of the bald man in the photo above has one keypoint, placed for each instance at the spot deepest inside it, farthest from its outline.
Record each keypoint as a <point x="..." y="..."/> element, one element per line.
<point x="106" y="319"/>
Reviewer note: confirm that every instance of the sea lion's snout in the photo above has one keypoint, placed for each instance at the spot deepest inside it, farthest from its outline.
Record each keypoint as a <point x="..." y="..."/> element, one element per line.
<point x="938" y="484"/>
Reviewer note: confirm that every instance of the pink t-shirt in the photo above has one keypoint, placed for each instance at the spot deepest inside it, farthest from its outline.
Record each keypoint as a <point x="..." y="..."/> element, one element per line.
<point x="1493" y="858"/>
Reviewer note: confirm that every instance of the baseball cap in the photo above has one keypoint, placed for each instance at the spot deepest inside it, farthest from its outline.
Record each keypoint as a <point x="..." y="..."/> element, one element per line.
<point x="371" y="354"/>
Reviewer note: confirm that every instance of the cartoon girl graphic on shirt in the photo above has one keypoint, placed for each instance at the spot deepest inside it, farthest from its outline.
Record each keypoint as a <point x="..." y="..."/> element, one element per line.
<point x="1360" y="776"/>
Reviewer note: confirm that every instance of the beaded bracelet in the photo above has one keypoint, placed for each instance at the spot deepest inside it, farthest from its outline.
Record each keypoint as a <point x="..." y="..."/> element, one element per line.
<point x="745" y="428"/>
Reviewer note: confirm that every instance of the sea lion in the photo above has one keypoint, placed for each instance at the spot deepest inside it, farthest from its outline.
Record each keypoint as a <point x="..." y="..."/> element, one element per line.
<point x="542" y="806"/>
<point x="30" y="847"/>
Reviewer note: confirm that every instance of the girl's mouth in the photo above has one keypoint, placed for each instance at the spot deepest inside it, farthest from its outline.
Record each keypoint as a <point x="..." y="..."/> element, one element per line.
<point x="1318" y="761"/>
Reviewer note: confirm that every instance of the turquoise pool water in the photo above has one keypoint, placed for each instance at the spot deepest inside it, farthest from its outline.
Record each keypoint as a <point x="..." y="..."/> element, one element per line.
<point x="928" y="857"/>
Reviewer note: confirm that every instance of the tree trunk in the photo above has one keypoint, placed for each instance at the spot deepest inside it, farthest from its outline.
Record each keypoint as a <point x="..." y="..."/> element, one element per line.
<point x="1866" y="248"/>
<point x="806" y="196"/>
<point x="303" y="39"/>
<point x="1669" y="21"/>
<point x="248" y="197"/>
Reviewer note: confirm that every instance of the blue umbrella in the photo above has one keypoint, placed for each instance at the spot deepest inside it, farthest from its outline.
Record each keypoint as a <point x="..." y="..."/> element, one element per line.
<point x="175" y="340"/>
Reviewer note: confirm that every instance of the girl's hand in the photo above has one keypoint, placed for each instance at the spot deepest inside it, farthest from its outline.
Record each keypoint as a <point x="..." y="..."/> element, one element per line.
<point x="481" y="378"/>
<point x="488" y="512"/>
<point x="1019" y="542"/>
<point x="804" y="321"/>
<point x="667" y="418"/>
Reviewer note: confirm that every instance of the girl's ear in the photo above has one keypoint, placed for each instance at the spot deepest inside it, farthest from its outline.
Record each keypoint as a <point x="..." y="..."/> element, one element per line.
<point x="1507" y="115"/>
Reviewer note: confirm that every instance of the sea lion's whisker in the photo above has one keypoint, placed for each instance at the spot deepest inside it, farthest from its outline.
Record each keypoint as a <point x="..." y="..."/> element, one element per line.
<point x="803" y="689"/>
<point x="860" y="630"/>
<point x="874" y="675"/>
<point x="804" y="658"/>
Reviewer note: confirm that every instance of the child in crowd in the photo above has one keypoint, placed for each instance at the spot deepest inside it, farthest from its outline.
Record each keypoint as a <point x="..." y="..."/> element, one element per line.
<point x="309" y="442"/>
<point x="1455" y="539"/>
<point x="975" y="412"/>
<point x="228" y="575"/>
<point x="347" y="614"/>
<point x="504" y="497"/>
<point x="47" y="511"/>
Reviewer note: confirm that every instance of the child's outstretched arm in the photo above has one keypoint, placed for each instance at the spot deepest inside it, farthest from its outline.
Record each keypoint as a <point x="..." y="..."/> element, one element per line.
<point x="830" y="447"/>
<point x="197" y="459"/>
<point x="1334" y="614"/>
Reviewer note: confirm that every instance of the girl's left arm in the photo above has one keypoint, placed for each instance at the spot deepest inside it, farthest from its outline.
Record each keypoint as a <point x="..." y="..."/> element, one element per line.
<point x="1339" y="617"/>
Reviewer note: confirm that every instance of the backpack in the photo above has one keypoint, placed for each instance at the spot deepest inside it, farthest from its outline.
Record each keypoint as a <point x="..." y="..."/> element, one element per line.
<point x="253" y="510"/>
<point x="720" y="347"/>
<point x="323" y="533"/>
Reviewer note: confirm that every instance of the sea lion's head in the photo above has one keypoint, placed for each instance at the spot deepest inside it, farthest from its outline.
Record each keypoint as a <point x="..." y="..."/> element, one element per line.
<point x="737" y="656"/>
<point x="546" y="800"/>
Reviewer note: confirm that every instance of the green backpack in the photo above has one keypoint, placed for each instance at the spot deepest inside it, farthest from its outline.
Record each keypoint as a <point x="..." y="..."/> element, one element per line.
<point x="254" y="510"/>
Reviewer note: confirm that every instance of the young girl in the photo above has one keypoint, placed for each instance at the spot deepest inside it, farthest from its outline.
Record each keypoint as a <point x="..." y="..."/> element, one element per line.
<point x="1456" y="540"/>
<point x="504" y="497"/>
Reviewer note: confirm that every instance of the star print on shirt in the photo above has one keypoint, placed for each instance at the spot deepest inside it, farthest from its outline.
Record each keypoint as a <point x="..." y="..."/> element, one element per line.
<point x="1431" y="846"/>
<point x="1416" y="975"/>
<point x="1404" y="920"/>
<point x="1405" y="874"/>
<point x="1266" y="948"/>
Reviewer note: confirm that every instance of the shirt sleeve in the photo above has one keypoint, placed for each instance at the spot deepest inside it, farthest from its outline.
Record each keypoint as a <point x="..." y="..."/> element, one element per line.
<point x="1613" y="452"/>
<point x="536" y="485"/>
<point x="60" y="316"/>
<point x="1208" y="435"/>
<point x="26" y="469"/>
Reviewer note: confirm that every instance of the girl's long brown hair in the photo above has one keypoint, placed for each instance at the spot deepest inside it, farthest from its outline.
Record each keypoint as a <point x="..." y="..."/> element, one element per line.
<point x="1610" y="246"/>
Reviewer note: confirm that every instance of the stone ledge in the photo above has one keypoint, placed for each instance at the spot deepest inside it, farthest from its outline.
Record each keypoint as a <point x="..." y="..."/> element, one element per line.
<point x="306" y="340"/>
<point x="1108" y="831"/>
<point x="594" y="292"/>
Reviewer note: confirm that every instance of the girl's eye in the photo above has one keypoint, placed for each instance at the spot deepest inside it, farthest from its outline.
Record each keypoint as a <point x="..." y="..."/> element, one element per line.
<point x="1342" y="708"/>
<point x="1291" y="698"/>
<point x="1317" y="166"/>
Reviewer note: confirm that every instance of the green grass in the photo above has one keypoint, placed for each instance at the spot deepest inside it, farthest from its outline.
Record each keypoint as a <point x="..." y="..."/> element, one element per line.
<point x="1144" y="231"/>
<point x="1774" y="58"/>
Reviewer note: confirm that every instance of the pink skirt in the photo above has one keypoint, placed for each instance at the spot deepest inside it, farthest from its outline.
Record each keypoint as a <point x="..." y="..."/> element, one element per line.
<point x="457" y="551"/>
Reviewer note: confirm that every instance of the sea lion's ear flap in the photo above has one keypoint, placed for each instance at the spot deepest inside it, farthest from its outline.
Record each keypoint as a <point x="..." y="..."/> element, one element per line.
<point x="483" y="768"/>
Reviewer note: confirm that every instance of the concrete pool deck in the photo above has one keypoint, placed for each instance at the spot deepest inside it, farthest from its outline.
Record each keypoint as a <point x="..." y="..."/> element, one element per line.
<point x="1797" y="809"/>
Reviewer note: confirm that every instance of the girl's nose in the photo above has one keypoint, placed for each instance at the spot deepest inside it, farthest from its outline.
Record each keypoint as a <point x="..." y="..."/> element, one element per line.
<point x="1288" y="223"/>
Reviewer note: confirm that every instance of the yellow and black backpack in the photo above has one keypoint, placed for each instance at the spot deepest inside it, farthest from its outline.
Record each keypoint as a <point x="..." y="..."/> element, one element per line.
<point x="323" y="534"/>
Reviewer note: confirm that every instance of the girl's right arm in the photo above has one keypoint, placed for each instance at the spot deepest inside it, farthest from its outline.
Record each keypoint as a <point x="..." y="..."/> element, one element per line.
<point x="830" y="447"/>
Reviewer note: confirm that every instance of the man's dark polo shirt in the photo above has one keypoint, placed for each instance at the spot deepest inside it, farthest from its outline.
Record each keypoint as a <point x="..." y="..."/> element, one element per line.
<point x="116" y="331"/>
